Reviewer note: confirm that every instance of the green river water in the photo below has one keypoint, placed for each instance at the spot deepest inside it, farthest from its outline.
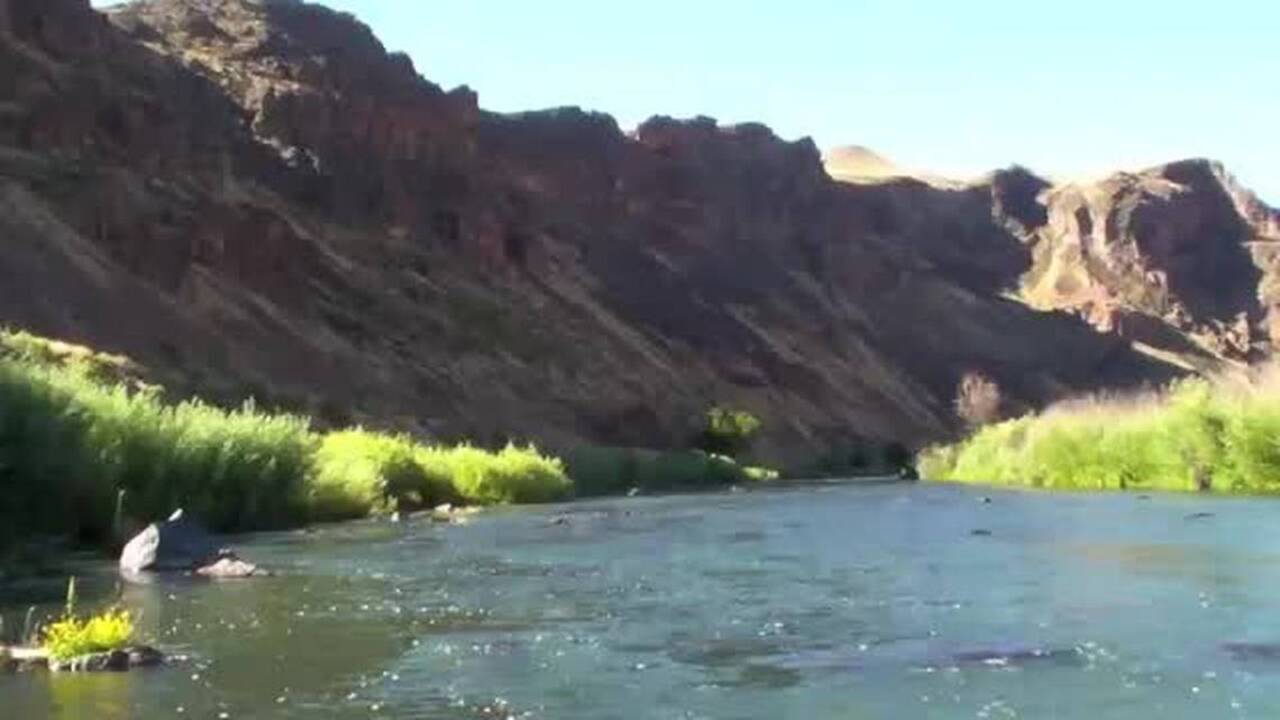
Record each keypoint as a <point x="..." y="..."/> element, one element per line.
<point x="833" y="601"/>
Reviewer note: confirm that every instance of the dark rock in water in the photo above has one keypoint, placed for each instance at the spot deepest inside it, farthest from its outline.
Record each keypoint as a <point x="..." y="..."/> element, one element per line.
<point x="980" y="533"/>
<point x="986" y="500"/>
<point x="1199" y="516"/>
<point x="1144" y="497"/>
<point x="111" y="661"/>
<point x="1252" y="652"/>
<point x="143" y="656"/>
<point x="181" y="544"/>
<point x="1018" y="657"/>
<point x="230" y="568"/>
<point x="178" y="543"/>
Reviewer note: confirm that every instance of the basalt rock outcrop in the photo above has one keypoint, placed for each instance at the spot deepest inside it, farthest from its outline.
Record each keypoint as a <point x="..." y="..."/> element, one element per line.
<point x="255" y="197"/>
<point x="1179" y="257"/>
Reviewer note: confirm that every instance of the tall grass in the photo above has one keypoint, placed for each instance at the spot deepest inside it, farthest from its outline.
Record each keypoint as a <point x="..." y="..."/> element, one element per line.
<point x="74" y="437"/>
<point x="359" y="473"/>
<point x="82" y="434"/>
<point x="1197" y="435"/>
<point x="68" y="445"/>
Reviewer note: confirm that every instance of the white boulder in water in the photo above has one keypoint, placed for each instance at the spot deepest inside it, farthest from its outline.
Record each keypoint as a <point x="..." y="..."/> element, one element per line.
<point x="181" y="544"/>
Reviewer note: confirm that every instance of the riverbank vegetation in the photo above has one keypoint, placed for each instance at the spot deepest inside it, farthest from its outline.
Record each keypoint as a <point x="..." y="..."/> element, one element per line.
<point x="79" y="440"/>
<point x="86" y="441"/>
<point x="1196" y="435"/>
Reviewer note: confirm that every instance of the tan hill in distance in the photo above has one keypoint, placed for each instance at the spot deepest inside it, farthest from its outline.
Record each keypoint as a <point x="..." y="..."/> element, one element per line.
<point x="858" y="164"/>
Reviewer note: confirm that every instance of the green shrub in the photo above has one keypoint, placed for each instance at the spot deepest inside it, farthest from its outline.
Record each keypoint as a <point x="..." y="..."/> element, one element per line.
<point x="1196" y="435"/>
<point x="69" y="444"/>
<point x="71" y="636"/>
<point x="359" y="473"/>
<point x="727" y="431"/>
<point x="512" y="475"/>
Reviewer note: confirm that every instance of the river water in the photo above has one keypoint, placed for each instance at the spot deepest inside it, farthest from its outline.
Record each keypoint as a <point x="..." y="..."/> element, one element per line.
<point x="817" y="602"/>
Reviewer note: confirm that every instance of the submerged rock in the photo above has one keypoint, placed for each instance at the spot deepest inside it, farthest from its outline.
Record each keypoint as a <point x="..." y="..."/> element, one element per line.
<point x="1253" y="651"/>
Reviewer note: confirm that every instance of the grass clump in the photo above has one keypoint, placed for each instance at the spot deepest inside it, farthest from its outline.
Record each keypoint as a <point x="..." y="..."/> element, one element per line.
<point x="68" y="444"/>
<point x="358" y="473"/>
<point x="511" y="475"/>
<point x="1196" y="435"/>
<point x="74" y="443"/>
<point x="71" y="636"/>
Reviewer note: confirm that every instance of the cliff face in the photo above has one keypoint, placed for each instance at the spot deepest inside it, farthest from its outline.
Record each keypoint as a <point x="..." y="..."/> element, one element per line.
<point x="254" y="195"/>
<point x="1179" y="258"/>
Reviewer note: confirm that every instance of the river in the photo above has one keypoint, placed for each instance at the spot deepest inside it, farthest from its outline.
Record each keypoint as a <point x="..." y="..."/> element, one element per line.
<point x="836" y="601"/>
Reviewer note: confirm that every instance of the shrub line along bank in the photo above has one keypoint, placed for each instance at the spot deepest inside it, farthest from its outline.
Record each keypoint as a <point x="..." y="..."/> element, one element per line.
<point x="79" y="437"/>
<point x="1195" y="436"/>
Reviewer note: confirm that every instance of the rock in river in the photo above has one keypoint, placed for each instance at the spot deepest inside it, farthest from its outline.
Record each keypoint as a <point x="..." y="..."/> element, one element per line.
<point x="181" y="544"/>
<point x="230" y="567"/>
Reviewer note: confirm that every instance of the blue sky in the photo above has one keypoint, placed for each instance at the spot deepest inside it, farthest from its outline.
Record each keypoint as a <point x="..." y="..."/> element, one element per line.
<point x="1069" y="89"/>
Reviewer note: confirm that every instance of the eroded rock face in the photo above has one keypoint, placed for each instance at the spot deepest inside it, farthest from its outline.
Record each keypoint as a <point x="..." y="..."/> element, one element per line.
<point x="1182" y="244"/>
<point x="281" y="207"/>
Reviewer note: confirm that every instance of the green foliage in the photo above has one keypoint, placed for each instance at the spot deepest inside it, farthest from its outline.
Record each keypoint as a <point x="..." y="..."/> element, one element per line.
<point x="1194" y="436"/>
<point x="70" y="443"/>
<point x="102" y="368"/>
<point x="598" y="471"/>
<point x="512" y="475"/>
<point x="360" y="473"/>
<point x="728" y="431"/>
<point x="71" y="636"/>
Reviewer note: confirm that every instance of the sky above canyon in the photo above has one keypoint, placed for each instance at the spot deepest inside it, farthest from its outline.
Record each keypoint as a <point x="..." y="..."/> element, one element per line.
<point x="1071" y="90"/>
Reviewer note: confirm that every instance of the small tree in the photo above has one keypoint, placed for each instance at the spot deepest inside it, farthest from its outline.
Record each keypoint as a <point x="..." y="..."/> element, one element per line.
<point x="977" y="400"/>
<point x="728" y="431"/>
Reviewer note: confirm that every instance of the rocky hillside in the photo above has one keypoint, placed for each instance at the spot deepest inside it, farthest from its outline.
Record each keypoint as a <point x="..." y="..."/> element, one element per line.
<point x="1179" y="259"/>
<point x="254" y="196"/>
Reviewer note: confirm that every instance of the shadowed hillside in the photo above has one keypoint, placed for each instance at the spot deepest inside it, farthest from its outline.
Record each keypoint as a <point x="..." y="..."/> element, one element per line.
<point x="256" y="197"/>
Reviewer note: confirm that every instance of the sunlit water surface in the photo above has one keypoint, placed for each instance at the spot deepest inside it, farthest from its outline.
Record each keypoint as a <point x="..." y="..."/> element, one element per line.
<point x="817" y="602"/>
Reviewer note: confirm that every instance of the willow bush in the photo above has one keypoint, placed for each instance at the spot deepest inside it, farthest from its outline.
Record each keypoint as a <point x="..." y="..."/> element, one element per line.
<point x="1197" y="435"/>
